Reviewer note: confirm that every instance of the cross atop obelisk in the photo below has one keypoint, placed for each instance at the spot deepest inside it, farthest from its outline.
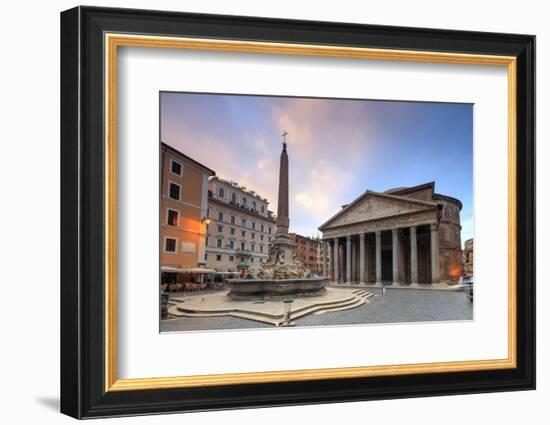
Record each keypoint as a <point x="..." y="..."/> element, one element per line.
<point x="285" y="133"/>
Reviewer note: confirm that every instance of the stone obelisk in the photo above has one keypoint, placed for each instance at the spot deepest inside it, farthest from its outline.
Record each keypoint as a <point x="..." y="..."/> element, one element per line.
<point x="282" y="240"/>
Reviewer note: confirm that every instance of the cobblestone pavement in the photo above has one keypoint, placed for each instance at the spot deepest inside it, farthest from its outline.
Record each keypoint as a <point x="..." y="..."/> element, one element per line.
<point x="397" y="305"/>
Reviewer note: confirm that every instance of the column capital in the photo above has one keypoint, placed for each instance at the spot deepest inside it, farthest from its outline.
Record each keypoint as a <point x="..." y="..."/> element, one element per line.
<point x="434" y="227"/>
<point x="348" y="237"/>
<point x="378" y="232"/>
<point x="394" y="231"/>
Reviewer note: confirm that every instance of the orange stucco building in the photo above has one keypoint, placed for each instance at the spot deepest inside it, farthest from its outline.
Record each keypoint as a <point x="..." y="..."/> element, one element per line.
<point x="183" y="210"/>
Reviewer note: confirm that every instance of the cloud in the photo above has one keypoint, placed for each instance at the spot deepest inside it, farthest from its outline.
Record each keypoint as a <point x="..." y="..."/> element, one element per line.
<point x="337" y="148"/>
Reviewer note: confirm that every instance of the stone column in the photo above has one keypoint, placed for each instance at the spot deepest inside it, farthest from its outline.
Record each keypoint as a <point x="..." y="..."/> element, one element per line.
<point x="348" y="259"/>
<point x="414" y="257"/>
<point x="362" y="258"/>
<point x="378" y="257"/>
<point x="435" y="251"/>
<point x="395" y="255"/>
<point x="335" y="256"/>
<point x="324" y="259"/>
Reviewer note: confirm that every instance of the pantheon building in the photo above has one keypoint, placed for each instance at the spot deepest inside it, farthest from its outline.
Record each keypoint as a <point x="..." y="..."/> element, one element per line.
<point x="406" y="235"/>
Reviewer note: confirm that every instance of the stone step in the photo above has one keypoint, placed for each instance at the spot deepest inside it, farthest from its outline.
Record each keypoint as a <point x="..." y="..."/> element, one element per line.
<point x="320" y="309"/>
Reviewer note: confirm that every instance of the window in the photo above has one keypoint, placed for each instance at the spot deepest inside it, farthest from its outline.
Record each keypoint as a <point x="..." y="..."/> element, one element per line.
<point x="242" y="246"/>
<point x="261" y="249"/>
<point x="261" y="237"/>
<point x="175" y="167"/>
<point x="232" y="244"/>
<point x="263" y="209"/>
<point x="234" y="198"/>
<point x="232" y="219"/>
<point x="243" y="233"/>
<point x="243" y="222"/>
<point x="269" y="239"/>
<point x="218" y="257"/>
<point x="172" y="219"/>
<point x="220" y="216"/>
<point x="253" y="225"/>
<point x="170" y="245"/>
<point x="245" y="202"/>
<point x="219" y="243"/>
<point x="220" y="228"/>
<point x="254" y="205"/>
<point x="269" y="230"/>
<point x="174" y="191"/>
<point x="252" y="259"/>
<point x="231" y="258"/>
<point x="261" y="227"/>
<point x="253" y="235"/>
<point x="221" y="192"/>
<point x="206" y="241"/>
<point x="232" y="231"/>
<point x="252" y="247"/>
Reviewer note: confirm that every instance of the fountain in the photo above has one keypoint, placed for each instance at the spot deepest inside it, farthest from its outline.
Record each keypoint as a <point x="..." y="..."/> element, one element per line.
<point x="281" y="276"/>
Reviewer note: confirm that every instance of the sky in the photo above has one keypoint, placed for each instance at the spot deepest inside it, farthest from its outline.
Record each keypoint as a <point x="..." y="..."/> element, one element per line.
<point x="337" y="148"/>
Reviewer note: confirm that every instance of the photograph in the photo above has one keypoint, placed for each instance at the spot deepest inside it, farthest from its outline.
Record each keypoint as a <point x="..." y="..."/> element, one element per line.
<point x="280" y="211"/>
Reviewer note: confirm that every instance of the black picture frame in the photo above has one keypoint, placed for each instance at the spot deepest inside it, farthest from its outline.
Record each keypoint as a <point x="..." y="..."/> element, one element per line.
<point x="83" y="392"/>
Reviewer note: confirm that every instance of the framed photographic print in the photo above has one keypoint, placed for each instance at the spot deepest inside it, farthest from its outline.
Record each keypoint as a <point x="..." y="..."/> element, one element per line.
<point x="261" y="212"/>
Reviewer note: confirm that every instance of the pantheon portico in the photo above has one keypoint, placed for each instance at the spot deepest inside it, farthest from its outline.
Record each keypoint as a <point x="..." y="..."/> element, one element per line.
<point x="400" y="236"/>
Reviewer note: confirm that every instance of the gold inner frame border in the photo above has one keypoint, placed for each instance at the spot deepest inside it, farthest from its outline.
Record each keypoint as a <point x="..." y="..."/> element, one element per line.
<point x="113" y="40"/>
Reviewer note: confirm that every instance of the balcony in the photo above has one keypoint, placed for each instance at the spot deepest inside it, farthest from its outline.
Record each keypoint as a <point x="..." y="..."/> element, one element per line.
<point x="243" y="252"/>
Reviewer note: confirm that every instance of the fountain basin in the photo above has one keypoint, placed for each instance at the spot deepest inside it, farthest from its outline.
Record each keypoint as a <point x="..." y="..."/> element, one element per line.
<point x="273" y="289"/>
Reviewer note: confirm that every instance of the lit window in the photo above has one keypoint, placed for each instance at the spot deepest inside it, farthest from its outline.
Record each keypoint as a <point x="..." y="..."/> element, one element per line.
<point x="170" y="245"/>
<point x="172" y="217"/>
<point x="174" y="191"/>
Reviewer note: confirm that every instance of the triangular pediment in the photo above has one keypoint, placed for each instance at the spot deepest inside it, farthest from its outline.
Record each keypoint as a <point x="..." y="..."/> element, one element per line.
<point x="376" y="206"/>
